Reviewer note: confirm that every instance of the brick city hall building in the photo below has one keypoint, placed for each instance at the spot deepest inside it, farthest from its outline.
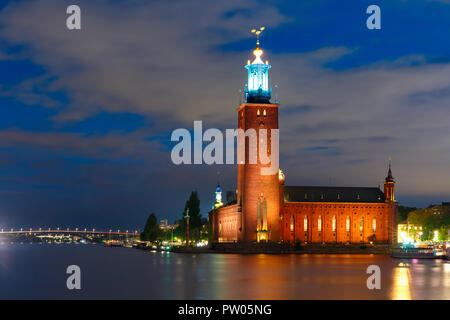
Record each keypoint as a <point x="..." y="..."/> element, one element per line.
<point x="265" y="209"/>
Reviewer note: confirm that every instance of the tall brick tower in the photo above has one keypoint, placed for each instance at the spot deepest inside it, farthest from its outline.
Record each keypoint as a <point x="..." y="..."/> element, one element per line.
<point x="258" y="193"/>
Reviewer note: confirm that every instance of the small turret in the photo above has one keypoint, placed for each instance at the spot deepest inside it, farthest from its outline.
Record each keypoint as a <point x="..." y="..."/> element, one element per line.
<point x="218" y="198"/>
<point x="389" y="186"/>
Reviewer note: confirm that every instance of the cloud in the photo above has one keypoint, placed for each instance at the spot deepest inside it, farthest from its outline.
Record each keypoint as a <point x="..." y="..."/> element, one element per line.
<point x="113" y="145"/>
<point x="142" y="57"/>
<point x="28" y="92"/>
<point x="443" y="1"/>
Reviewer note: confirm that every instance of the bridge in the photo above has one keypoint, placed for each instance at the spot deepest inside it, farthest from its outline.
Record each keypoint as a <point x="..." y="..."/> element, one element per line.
<point x="76" y="231"/>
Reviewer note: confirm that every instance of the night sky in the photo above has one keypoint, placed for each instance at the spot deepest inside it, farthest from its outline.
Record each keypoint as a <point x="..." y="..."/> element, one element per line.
<point x="86" y="116"/>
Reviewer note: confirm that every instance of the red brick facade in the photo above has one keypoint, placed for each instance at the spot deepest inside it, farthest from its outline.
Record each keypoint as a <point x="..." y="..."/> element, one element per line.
<point x="254" y="188"/>
<point x="317" y="222"/>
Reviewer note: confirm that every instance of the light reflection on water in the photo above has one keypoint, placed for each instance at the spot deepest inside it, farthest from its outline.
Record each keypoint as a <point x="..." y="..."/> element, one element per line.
<point x="401" y="279"/>
<point x="32" y="271"/>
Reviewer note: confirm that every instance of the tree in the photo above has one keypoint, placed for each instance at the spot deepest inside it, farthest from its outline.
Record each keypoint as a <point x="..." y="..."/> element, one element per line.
<point x="403" y="213"/>
<point x="195" y="218"/>
<point x="433" y="218"/>
<point x="151" y="230"/>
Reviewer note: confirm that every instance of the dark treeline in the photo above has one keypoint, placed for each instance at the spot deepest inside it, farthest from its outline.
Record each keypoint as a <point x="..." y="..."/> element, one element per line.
<point x="197" y="224"/>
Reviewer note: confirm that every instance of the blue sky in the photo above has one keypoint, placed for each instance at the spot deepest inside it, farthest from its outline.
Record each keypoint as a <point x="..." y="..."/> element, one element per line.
<point x="86" y="116"/>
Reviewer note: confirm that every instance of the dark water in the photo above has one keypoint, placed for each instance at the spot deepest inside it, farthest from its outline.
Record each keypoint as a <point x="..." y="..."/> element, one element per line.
<point x="31" y="271"/>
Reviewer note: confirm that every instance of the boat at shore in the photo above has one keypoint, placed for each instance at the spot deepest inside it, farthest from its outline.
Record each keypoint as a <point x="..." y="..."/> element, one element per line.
<point x="430" y="252"/>
<point x="118" y="243"/>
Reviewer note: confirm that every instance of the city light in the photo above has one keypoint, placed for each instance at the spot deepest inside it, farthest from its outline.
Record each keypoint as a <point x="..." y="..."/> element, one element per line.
<point x="436" y="235"/>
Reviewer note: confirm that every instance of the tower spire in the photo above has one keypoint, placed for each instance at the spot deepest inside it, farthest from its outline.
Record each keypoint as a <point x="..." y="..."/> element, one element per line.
<point x="258" y="32"/>
<point x="389" y="177"/>
<point x="257" y="89"/>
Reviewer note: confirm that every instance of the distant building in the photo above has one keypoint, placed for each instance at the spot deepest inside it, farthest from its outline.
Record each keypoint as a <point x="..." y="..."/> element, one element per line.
<point x="266" y="210"/>
<point x="409" y="233"/>
<point x="164" y="224"/>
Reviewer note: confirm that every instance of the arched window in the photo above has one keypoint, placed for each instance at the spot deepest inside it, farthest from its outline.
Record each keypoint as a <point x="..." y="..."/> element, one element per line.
<point x="374" y="224"/>
<point x="361" y="224"/>
<point x="257" y="113"/>
<point x="347" y="224"/>
<point x="305" y="224"/>
<point x="334" y="224"/>
<point x="319" y="224"/>
<point x="264" y="112"/>
<point x="292" y="224"/>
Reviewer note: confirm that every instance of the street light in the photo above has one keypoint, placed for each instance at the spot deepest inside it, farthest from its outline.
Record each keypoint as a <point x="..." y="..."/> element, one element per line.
<point x="187" y="227"/>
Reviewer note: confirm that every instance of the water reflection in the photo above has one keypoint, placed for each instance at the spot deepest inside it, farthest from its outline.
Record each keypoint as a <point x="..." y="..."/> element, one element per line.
<point x="401" y="279"/>
<point x="120" y="273"/>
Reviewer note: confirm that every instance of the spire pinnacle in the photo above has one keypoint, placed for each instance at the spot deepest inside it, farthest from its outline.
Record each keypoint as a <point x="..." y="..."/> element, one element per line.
<point x="258" y="32"/>
<point x="389" y="177"/>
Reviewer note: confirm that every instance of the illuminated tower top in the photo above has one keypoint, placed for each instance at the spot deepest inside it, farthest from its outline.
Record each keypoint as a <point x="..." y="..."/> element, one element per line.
<point x="218" y="203"/>
<point x="257" y="89"/>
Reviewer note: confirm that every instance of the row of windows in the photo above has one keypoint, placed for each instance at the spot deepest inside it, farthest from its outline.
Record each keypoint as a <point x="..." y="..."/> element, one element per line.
<point x="258" y="113"/>
<point x="333" y="224"/>
<point x="368" y="213"/>
<point x="227" y="225"/>
<point x="339" y="196"/>
<point x="340" y="206"/>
